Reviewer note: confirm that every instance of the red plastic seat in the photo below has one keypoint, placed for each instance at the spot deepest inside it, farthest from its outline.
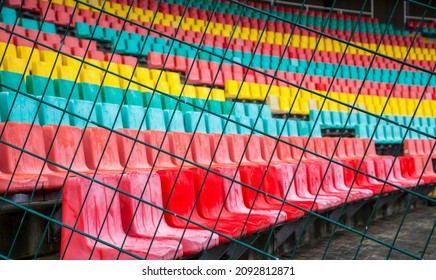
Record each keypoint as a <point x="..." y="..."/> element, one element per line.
<point x="144" y="220"/>
<point x="101" y="150"/>
<point x="179" y="197"/>
<point x="180" y="145"/>
<point x="136" y="159"/>
<point x="28" y="163"/>
<point x="159" y="159"/>
<point x="252" y="176"/>
<point x="94" y="209"/>
<point x="66" y="148"/>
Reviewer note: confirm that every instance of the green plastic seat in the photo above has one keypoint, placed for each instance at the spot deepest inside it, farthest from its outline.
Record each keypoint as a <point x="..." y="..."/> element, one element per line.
<point x="132" y="117"/>
<point x="38" y="85"/>
<point x="112" y="95"/>
<point x="193" y="122"/>
<point x="185" y="104"/>
<point x="152" y="100"/>
<point x="89" y="92"/>
<point x="24" y="109"/>
<point x="176" y="118"/>
<point x="213" y="123"/>
<point x="134" y="97"/>
<point x="81" y="109"/>
<point x="51" y="115"/>
<point x="108" y="115"/>
<point x="169" y="102"/>
<point x="214" y="106"/>
<point x="155" y="119"/>
<point x="66" y="89"/>
<point x="14" y="81"/>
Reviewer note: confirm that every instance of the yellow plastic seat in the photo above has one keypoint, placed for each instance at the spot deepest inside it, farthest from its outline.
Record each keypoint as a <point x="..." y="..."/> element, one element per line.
<point x="90" y="76"/>
<point x="172" y="77"/>
<point x="189" y="91"/>
<point x="218" y="94"/>
<point x="17" y="65"/>
<point x="202" y="92"/>
<point x="44" y="69"/>
<point x="175" y="89"/>
<point x="28" y="54"/>
<point x="255" y="93"/>
<point x="67" y="72"/>
<point x="10" y="50"/>
<point x="231" y="88"/>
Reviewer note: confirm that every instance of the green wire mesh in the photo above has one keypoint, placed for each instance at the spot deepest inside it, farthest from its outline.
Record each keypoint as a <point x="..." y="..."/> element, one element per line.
<point x="30" y="27"/>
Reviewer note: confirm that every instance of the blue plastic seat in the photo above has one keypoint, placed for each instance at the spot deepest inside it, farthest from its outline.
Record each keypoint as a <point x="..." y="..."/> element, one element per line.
<point x="82" y="111"/>
<point x="133" y="117"/>
<point x="174" y="120"/>
<point x="109" y="115"/>
<point x="51" y="115"/>
<point x="23" y="109"/>
<point x="155" y="119"/>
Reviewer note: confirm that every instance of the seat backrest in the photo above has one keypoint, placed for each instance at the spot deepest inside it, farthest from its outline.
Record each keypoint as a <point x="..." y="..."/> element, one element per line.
<point x="155" y="138"/>
<point x="24" y="136"/>
<point x="136" y="158"/>
<point x="66" y="147"/>
<point x="101" y="149"/>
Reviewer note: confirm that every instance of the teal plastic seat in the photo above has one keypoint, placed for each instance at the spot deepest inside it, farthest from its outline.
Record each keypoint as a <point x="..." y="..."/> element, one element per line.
<point x="281" y="127"/>
<point x="259" y="126"/>
<point x="29" y="23"/>
<point x="66" y="89"/>
<point x="108" y="115"/>
<point x="38" y="85"/>
<point x="200" y="103"/>
<point x="238" y="110"/>
<point x="269" y="126"/>
<point x="316" y="129"/>
<point x="195" y="122"/>
<point x="112" y="95"/>
<point x="169" y="102"/>
<point x="134" y="97"/>
<point x="89" y="92"/>
<point x="214" y="106"/>
<point x="292" y="127"/>
<point x="8" y="15"/>
<point x="155" y="119"/>
<point x="304" y="128"/>
<point x="152" y="100"/>
<point x="82" y="111"/>
<point x="213" y="123"/>
<point x="246" y="121"/>
<point x="48" y="27"/>
<point x="82" y="30"/>
<point x="174" y="120"/>
<point x="185" y="104"/>
<point x="14" y="81"/>
<point x="24" y="109"/>
<point x="265" y="112"/>
<point x="251" y="110"/>
<point x="133" y="116"/>
<point x="51" y="115"/>
<point x="230" y="127"/>
<point x="97" y="33"/>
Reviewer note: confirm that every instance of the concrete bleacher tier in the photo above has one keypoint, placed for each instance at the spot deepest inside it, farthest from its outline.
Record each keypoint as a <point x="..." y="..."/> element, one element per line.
<point x="201" y="144"/>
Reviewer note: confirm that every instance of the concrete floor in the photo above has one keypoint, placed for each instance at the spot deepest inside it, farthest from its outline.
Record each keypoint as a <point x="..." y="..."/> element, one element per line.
<point x="417" y="229"/>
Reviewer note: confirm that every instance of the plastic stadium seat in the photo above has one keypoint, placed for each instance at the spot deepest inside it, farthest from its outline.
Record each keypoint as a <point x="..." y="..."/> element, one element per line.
<point x="157" y="152"/>
<point x="51" y="115"/>
<point x="18" y="108"/>
<point x="179" y="197"/>
<point x="136" y="159"/>
<point x="30" y="138"/>
<point x="147" y="221"/>
<point x="95" y="209"/>
<point x="66" y="149"/>
<point x="109" y="115"/>
<point x="133" y="117"/>
<point x="101" y="150"/>
<point x="83" y="111"/>
<point x="261" y="179"/>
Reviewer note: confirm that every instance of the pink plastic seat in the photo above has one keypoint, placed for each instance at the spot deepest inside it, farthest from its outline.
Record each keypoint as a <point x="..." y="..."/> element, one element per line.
<point x="94" y="209"/>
